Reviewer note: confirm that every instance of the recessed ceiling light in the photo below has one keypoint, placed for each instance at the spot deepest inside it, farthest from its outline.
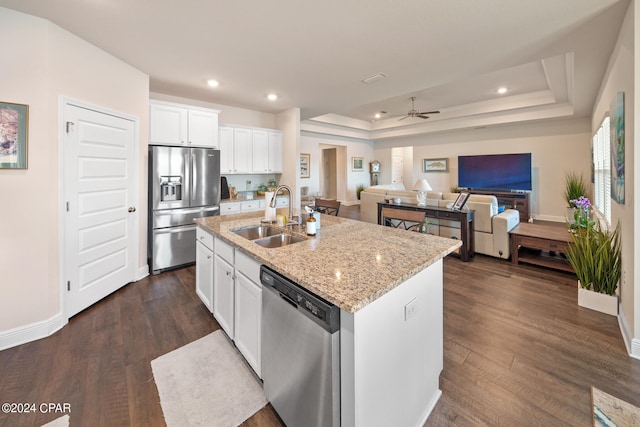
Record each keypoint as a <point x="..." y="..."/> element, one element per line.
<point x="213" y="83"/>
<point x="502" y="90"/>
<point x="377" y="115"/>
<point x="272" y="97"/>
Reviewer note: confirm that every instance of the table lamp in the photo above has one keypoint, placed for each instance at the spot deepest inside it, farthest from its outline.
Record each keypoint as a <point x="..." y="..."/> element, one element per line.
<point x="421" y="186"/>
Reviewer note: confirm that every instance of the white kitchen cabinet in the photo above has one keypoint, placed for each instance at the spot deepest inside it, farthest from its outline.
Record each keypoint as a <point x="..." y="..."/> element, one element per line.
<point x="223" y="287"/>
<point x="204" y="267"/>
<point x="235" y="150"/>
<point x="249" y="150"/>
<point x="176" y="124"/>
<point x="282" y="202"/>
<point x="275" y="152"/>
<point x="225" y="135"/>
<point x="260" y="144"/>
<point x="242" y="151"/>
<point x="228" y="208"/>
<point x="248" y="310"/>
<point x="267" y="151"/>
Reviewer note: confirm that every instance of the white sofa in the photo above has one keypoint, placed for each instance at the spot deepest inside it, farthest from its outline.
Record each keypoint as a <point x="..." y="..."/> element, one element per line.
<point x="491" y="229"/>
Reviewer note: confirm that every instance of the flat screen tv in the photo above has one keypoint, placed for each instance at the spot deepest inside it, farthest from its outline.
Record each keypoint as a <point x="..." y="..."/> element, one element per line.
<point x="495" y="172"/>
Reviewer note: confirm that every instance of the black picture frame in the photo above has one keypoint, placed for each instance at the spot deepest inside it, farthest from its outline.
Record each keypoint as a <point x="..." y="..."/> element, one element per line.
<point x="461" y="201"/>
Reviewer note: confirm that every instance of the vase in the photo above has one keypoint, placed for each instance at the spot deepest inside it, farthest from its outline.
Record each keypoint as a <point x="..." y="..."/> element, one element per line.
<point x="571" y="215"/>
<point x="592" y="300"/>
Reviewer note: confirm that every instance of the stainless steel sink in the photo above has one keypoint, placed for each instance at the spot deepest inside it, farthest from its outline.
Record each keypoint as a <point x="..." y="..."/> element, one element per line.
<point x="279" y="240"/>
<point x="254" y="232"/>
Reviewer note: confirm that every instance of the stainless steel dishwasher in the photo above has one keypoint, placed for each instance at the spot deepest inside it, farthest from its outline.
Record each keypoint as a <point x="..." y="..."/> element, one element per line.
<point x="300" y="353"/>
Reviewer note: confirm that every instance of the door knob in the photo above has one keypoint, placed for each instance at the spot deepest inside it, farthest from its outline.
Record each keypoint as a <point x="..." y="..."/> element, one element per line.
<point x="132" y="209"/>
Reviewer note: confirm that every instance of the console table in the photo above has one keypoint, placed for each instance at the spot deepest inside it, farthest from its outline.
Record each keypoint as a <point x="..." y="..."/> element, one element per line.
<point x="538" y="243"/>
<point x="465" y="218"/>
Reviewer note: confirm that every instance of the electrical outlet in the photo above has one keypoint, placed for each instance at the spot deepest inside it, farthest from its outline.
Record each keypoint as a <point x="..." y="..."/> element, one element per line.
<point x="248" y="184"/>
<point x="410" y="309"/>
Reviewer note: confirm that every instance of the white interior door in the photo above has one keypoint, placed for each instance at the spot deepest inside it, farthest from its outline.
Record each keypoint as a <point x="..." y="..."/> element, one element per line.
<point x="100" y="194"/>
<point x="396" y="168"/>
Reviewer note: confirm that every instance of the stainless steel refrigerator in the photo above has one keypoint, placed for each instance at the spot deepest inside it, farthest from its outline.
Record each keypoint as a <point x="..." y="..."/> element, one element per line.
<point x="184" y="183"/>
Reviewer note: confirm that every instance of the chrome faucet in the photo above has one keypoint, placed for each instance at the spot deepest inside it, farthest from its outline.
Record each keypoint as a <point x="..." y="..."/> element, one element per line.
<point x="272" y="204"/>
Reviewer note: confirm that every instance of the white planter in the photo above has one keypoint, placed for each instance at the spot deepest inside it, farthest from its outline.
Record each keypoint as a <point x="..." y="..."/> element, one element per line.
<point x="603" y="303"/>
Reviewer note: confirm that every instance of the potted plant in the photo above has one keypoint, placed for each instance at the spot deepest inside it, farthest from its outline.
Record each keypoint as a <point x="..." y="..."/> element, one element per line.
<point x="595" y="256"/>
<point x="575" y="187"/>
<point x="359" y="190"/>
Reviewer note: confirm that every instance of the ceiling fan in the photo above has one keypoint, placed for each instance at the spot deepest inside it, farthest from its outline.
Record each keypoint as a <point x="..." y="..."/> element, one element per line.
<point x="415" y="113"/>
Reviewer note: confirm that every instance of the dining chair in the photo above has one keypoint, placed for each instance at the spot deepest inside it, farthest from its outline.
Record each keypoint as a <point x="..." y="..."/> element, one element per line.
<point x="329" y="207"/>
<point x="400" y="218"/>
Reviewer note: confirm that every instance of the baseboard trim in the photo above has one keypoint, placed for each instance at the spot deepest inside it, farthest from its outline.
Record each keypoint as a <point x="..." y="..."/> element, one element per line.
<point x="632" y="344"/>
<point x="32" y="332"/>
<point x="44" y="328"/>
<point x="351" y="203"/>
<point x="142" y="272"/>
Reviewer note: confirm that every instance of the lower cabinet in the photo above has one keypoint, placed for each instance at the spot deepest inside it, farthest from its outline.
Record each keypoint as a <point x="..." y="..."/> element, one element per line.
<point x="204" y="267"/>
<point x="228" y="283"/>
<point x="223" y="295"/>
<point x="248" y="310"/>
<point x="204" y="275"/>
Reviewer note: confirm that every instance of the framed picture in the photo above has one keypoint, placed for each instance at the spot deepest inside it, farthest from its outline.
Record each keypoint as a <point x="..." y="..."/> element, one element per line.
<point x="357" y="164"/>
<point x="14" y="129"/>
<point x="617" y="148"/>
<point x="304" y="165"/>
<point x="460" y="201"/>
<point x="435" y="165"/>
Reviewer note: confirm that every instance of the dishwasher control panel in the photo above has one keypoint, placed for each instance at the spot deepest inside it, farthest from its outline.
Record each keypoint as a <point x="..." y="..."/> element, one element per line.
<point x="321" y="311"/>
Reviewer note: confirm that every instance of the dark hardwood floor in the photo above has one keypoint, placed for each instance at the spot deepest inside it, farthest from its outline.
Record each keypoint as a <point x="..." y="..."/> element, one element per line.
<point x="518" y="351"/>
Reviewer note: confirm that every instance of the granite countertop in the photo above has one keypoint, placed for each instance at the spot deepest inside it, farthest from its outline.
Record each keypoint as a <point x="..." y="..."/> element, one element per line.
<point x="349" y="263"/>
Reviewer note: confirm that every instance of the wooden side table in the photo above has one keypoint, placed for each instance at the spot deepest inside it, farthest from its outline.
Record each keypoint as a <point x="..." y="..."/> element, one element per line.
<point x="537" y="243"/>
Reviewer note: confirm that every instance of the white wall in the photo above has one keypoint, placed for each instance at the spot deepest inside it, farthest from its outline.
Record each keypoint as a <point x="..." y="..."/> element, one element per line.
<point x="348" y="180"/>
<point x="42" y="62"/>
<point x="556" y="147"/>
<point x="621" y="76"/>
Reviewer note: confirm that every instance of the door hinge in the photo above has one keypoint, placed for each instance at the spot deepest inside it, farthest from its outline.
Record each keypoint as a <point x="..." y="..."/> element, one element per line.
<point x="68" y="285"/>
<point x="68" y="126"/>
<point x="67" y="206"/>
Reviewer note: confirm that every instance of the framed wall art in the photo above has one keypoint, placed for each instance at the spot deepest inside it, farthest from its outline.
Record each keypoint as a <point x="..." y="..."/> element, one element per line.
<point x="357" y="164"/>
<point x="14" y="129"/>
<point x="304" y="165"/>
<point x="435" y="165"/>
<point x="617" y="148"/>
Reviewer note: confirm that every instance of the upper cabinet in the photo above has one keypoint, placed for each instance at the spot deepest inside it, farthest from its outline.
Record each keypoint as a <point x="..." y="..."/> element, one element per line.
<point x="250" y="150"/>
<point x="182" y="125"/>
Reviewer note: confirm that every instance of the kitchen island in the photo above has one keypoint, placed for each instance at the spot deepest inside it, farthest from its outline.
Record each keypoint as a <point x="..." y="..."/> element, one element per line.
<point x="387" y="284"/>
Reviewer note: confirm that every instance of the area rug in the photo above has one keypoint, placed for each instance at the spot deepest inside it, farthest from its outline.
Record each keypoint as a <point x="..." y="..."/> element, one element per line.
<point x="610" y="411"/>
<point x="207" y="383"/>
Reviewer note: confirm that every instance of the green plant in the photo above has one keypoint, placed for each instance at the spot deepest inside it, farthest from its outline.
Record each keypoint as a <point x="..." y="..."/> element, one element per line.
<point x="359" y="190"/>
<point x="595" y="256"/>
<point x="575" y="187"/>
<point x="454" y="189"/>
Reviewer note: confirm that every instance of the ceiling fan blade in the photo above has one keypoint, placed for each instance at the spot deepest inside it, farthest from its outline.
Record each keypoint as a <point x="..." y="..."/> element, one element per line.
<point x="403" y="118"/>
<point x="429" y="112"/>
<point x="422" y="117"/>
